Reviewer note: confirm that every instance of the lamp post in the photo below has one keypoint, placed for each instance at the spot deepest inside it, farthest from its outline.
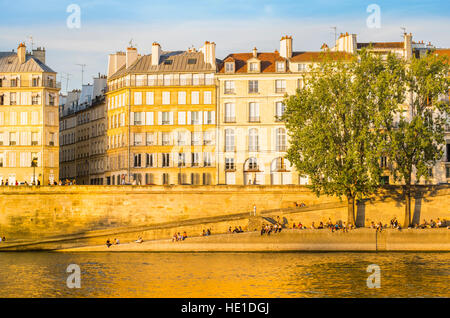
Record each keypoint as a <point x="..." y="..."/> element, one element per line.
<point x="34" y="162"/>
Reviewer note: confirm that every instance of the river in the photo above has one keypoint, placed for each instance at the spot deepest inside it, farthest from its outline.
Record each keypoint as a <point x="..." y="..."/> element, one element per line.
<point x="43" y="274"/>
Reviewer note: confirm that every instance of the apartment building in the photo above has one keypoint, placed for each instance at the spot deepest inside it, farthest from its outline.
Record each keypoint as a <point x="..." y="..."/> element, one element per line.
<point x="83" y="134"/>
<point x="252" y="140"/>
<point x="28" y="118"/>
<point x="161" y="116"/>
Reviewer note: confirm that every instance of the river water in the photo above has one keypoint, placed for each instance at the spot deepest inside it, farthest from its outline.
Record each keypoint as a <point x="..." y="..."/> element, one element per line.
<point x="42" y="274"/>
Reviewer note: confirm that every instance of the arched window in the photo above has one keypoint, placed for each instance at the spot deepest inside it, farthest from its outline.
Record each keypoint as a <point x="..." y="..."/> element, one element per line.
<point x="251" y="164"/>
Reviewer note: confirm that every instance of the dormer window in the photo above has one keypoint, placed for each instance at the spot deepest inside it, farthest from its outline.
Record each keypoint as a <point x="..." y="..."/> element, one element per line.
<point x="302" y="67"/>
<point x="280" y="67"/>
<point x="229" y="67"/>
<point x="253" y="67"/>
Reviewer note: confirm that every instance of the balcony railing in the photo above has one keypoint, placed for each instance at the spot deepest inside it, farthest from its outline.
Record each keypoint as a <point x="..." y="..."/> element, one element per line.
<point x="28" y="84"/>
<point x="160" y="82"/>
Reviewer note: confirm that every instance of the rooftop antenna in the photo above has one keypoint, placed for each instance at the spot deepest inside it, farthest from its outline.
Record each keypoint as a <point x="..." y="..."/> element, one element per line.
<point x="131" y="43"/>
<point x="67" y="78"/>
<point x="31" y="41"/>
<point x="335" y="34"/>
<point x="82" y="73"/>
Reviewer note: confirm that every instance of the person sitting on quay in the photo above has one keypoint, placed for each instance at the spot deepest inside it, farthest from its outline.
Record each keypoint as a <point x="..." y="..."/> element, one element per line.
<point x="174" y="237"/>
<point x="208" y="232"/>
<point x="116" y="241"/>
<point x="320" y="226"/>
<point x="229" y="230"/>
<point x="108" y="243"/>
<point x="139" y="240"/>
<point x="204" y="233"/>
<point x="263" y="229"/>
<point x="184" y="235"/>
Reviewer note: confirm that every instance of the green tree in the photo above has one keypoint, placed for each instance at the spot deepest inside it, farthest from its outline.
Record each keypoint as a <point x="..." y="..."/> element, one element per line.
<point x="415" y="139"/>
<point x="334" y="124"/>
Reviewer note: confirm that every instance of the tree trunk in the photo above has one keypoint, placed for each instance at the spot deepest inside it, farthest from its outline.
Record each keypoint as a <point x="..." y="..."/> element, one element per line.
<point x="407" y="192"/>
<point x="351" y="210"/>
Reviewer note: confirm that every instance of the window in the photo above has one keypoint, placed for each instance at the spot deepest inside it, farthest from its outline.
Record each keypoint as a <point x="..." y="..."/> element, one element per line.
<point x="138" y="139"/>
<point x="137" y="160"/>
<point x="165" y="138"/>
<point x="253" y="140"/>
<point x="195" y="99"/>
<point x="279" y="110"/>
<point x="209" y="118"/>
<point x="181" y="138"/>
<point x="181" y="118"/>
<point x="149" y="179"/>
<point x="207" y="98"/>
<point x="196" y="138"/>
<point x="182" y="178"/>
<point x="207" y="138"/>
<point x="165" y="178"/>
<point x="383" y="162"/>
<point x="192" y="61"/>
<point x="149" y="160"/>
<point x="2" y="99"/>
<point x="281" y="140"/>
<point x="168" y="62"/>
<point x="253" y="86"/>
<point x="252" y="165"/>
<point x="207" y="178"/>
<point x="196" y="118"/>
<point x="52" y="139"/>
<point x="229" y="87"/>
<point x="34" y="139"/>
<point x="150" y="139"/>
<point x="181" y="98"/>
<point x="253" y="67"/>
<point x="35" y="99"/>
<point x="280" y="86"/>
<point x="12" y="99"/>
<point x="181" y="159"/>
<point x="149" y="98"/>
<point x="229" y="113"/>
<point x="138" y="118"/>
<point x="229" y="164"/>
<point x="280" y="66"/>
<point x="302" y="67"/>
<point x="195" y="178"/>
<point x="166" y="98"/>
<point x="138" y="98"/>
<point x="253" y="112"/>
<point x="12" y="139"/>
<point x="229" y="140"/>
<point x="23" y="118"/>
<point x="195" y="162"/>
<point x="229" y="67"/>
<point x="165" y="118"/>
<point x="1" y="138"/>
<point x="165" y="160"/>
<point x="167" y="79"/>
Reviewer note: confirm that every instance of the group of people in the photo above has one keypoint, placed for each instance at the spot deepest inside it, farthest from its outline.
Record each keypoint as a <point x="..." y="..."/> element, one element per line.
<point x="2" y="239"/>
<point x="269" y="228"/>
<point x="178" y="237"/>
<point x="115" y="242"/>
<point x="207" y="232"/>
<point x="236" y="230"/>
<point x="432" y="224"/>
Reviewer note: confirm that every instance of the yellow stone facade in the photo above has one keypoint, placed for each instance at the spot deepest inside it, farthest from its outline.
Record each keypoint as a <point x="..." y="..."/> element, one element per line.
<point x="28" y="118"/>
<point x="161" y="117"/>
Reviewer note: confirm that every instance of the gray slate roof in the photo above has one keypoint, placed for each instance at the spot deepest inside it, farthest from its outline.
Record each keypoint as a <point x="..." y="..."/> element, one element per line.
<point x="9" y="63"/>
<point x="179" y="59"/>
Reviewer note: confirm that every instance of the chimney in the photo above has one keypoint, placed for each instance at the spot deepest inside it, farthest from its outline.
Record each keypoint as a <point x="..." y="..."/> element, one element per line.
<point x="286" y="47"/>
<point x="39" y="54"/>
<point x="209" y="53"/>
<point x="115" y="62"/>
<point x="156" y="53"/>
<point x="346" y="43"/>
<point x="407" y="46"/>
<point x="21" y="53"/>
<point x="255" y="52"/>
<point x="132" y="56"/>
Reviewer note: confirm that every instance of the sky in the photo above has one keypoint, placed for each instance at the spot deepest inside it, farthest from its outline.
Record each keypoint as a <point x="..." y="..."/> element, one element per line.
<point x="107" y="26"/>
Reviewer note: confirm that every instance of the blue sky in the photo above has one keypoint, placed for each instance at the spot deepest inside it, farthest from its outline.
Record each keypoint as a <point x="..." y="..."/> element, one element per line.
<point x="235" y="26"/>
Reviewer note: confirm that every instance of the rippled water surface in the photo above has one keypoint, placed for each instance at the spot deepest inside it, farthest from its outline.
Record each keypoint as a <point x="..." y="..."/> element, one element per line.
<point x="225" y="275"/>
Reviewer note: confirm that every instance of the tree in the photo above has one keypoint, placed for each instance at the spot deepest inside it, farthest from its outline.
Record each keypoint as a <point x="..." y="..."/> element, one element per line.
<point x="334" y="124"/>
<point x="415" y="140"/>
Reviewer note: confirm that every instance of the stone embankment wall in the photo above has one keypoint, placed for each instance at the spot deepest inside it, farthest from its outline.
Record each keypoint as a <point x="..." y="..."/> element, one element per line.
<point x="90" y="214"/>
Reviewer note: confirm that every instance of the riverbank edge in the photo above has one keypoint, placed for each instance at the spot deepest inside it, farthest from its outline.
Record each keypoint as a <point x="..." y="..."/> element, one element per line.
<point x="360" y="240"/>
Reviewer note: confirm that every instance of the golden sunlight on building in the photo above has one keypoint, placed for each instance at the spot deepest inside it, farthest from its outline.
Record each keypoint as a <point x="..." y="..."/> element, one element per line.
<point x="28" y="118"/>
<point x="161" y="116"/>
